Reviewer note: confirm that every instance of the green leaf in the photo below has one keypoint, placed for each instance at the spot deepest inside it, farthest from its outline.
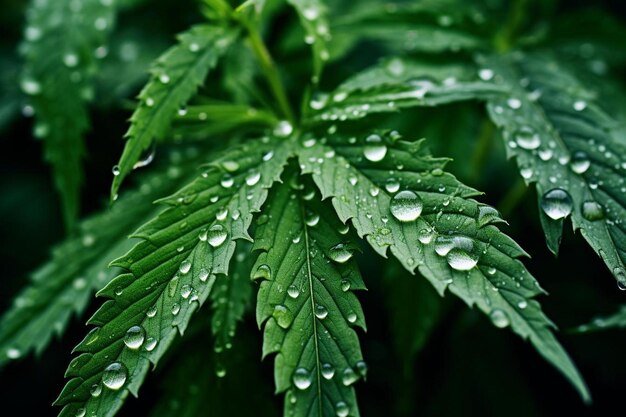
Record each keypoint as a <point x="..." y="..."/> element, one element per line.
<point x="398" y="83"/>
<point x="170" y="274"/>
<point x="570" y="147"/>
<point x="60" y="48"/>
<point x="314" y="20"/>
<point x="174" y="79"/>
<point x="64" y="285"/>
<point x="230" y="297"/>
<point x="614" y="321"/>
<point x="305" y="303"/>
<point x="399" y="198"/>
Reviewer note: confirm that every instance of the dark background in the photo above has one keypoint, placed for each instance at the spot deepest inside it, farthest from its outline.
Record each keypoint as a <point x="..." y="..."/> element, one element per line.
<point x="468" y="367"/>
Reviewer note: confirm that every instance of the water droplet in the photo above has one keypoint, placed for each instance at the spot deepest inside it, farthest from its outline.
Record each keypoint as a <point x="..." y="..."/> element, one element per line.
<point x="592" y="211"/>
<point x="345" y="285"/>
<point x="425" y="236"/>
<point x="13" y="353"/>
<point x="263" y="271"/>
<point x="485" y="74"/>
<point x="302" y="378"/>
<point x="312" y="219"/>
<point x="253" y="178"/>
<point x="406" y="206"/>
<point x="220" y="216"/>
<point x="351" y="317"/>
<point x="185" y="266"/>
<point x="203" y="275"/>
<point x="527" y="138"/>
<point x="392" y="185"/>
<point x="491" y="270"/>
<point x="134" y="337"/>
<point x="580" y="105"/>
<point x="556" y="203"/>
<point x="328" y="371"/>
<point x="146" y="159"/>
<point x="80" y="412"/>
<point x="283" y="129"/>
<point x="32" y="33"/>
<point x="283" y="316"/>
<point x="115" y="170"/>
<point x="164" y="78"/>
<point x="175" y="309"/>
<point x="30" y="86"/>
<point x="185" y="291"/>
<point x="216" y="235"/>
<point x="340" y="253"/>
<point x="361" y="368"/>
<point x="487" y="215"/>
<point x="514" y="103"/>
<point x="114" y="376"/>
<point x="580" y="162"/>
<point x="151" y="343"/>
<point x="522" y="304"/>
<point x="95" y="390"/>
<point x="349" y="377"/>
<point x="149" y="102"/>
<point x="461" y="260"/>
<point x="499" y="318"/>
<point x="151" y="311"/>
<point x="321" y="312"/>
<point x="342" y="409"/>
<point x="375" y="149"/>
<point x="527" y="172"/>
<point x="293" y="291"/>
<point x="227" y="181"/>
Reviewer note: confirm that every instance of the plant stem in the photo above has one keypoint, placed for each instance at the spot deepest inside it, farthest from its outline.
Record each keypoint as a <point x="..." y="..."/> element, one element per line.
<point x="504" y="37"/>
<point x="270" y="70"/>
<point x="512" y="198"/>
<point x="483" y="146"/>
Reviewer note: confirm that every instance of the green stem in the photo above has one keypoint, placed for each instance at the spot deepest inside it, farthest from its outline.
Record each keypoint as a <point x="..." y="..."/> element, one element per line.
<point x="270" y="70"/>
<point x="512" y="198"/>
<point x="504" y="38"/>
<point x="483" y="146"/>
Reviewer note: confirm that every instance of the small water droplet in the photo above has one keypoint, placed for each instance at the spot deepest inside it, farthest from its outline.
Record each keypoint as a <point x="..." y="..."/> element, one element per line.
<point x="514" y="103"/>
<point x="392" y="185"/>
<point x="328" y="371"/>
<point x="263" y="272"/>
<point x="321" y="312"/>
<point x="80" y="412"/>
<point x="580" y="162"/>
<point x="522" y="304"/>
<point x="220" y="370"/>
<point x="283" y="316"/>
<point x="580" y="105"/>
<point x="312" y="219"/>
<point x="164" y="78"/>
<point x="340" y="253"/>
<point x="345" y="285"/>
<point x="302" y="378"/>
<point x="151" y="343"/>
<point x="556" y="203"/>
<point x="342" y="409"/>
<point x="352" y="317"/>
<point x="349" y="377"/>
<point x="115" y="170"/>
<point x="13" y="353"/>
<point x="70" y="60"/>
<point x="499" y="318"/>
<point x="592" y="211"/>
<point x="485" y="74"/>
<point x="283" y="129"/>
<point x="253" y="178"/>
<point x="293" y="291"/>
<point x="175" y="309"/>
<point x="375" y="149"/>
<point x="114" y="376"/>
<point x="185" y="266"/>
<point x="527" y="138"/>
<point x="95" y="390"/>
<point x="30" y="86"/>
<point x="227" y="181"/>
<point x="151" y="311"/>
<point x="406" y="206"/>
<point x="203" y="275"/>
<point x="134" y="337"/>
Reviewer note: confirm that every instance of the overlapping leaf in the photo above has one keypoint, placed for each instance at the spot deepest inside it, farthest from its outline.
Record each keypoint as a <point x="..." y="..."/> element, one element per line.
<point x="78" y="267"/>
<point x="399" y="83"/>
<point x="175" y="78"/>
<point x="399" y="198"/>
<point x="63" y="40"/>
<point x="614" y="321"/>
<point x="170" y="274"/>
<point x="569" y="146"/>
<point x="314" y="20"/>
<point x="306" y="305"/>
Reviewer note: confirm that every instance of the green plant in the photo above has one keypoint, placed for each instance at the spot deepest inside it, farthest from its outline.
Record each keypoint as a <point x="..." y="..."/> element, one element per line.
<point x="312" y="183"/>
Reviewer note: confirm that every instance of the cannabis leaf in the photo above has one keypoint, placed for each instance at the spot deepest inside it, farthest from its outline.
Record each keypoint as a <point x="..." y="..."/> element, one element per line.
<point x="170" y="274"/>
<point x="306" y="305"/>
<point x="398" y="197"/>
<point x="175" y="78"/>
<point x="63" y="41"/>
<point x="78" y="267"/>
<point x="315" y="22"/>
<point x="397" y="83"/>
<point x="570" y="147"/>
<point x="614" y="321"/>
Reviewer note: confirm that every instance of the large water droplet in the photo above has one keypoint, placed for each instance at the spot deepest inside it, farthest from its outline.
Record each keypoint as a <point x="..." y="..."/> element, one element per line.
<point x="328" y="371"/>
<point x="216" y="235"/>
<point x="461" y="260"/>
<point x="375" y="149"/>
<point x="340" y="253"/>
<point x="321" y="312"/>
<point x="556" y="203"/>
<point x="283" y="316"/>
<point x="134" y="337"/>
<point x="499" y="318"/>
<point x="302" y="378"/>
<point x="114" y="376"/>
<point x="580" y="162"/>
<point x="406" y="206"/>
<point x="592" y="211"/>
<point x="342" y="409"/>
<point x="527" y="138"/>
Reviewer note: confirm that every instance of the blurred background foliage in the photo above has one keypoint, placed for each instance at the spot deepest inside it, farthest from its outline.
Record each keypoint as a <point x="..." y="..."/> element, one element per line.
<point x="427" y="356"/>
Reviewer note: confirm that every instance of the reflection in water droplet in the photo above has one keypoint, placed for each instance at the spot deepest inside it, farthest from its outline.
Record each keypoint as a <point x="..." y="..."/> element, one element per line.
<point x="375" y="149"/>
<point x="592" y="211"/>
<point x="321" y="312"/>
<point x="114" y="376"/>
<point x="283" y="316"/>
<point x="406" y="206"/>
<point x="499" y="318"/>
<point x="580" y="162"/>
<point x="134" y="337"/>
<point x="340" y="253"/>
<point x="342" y="409"/>
<point x="302" y="378"/>
<point x="556" y="203"/>
<point x="216" y="235"/>
<point x="328" y="371"/>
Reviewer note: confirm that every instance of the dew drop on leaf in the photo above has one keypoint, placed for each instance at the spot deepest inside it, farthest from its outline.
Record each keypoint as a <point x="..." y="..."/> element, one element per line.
<point x="95" y="390"/>
<point x="328" y="371"/>
<point x="527" y="138"/>
<point x="114" y="376"/>
<point x="349" y="377"/>
<point x="283" y="316"/>
<point x="302" y="378"/>
<point x="185" y="266"/>
<point x="175" y="309"/>
<point x="340" y="253"/>
<point x="216" y="235"/>
<point x="151" y="343"/>
<point x="342" y="409"/>
<point x="345" y="285"/>
<point x="499" y="318"/>
<point x="263" y="272"/>
<point x="375" y="149"/>
<point x="134" y="337"/>
<point x="556" y="203"/>
<point x="351" y="317"/>
<point x="283" y="129"/>
<point x="592" y="211"/>
<point x="406" y="206"/>
<point x="293" y="291"/>
<point x="321" y="312"/>
<point x="580" y="162"/>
